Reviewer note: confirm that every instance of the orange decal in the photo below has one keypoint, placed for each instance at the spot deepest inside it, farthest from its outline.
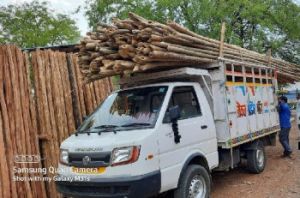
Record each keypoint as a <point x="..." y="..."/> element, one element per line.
<point x="241" y="109"/>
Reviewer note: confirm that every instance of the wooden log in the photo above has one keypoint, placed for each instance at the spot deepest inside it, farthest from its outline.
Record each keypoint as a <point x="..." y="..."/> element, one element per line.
<point x="164" y="47"/>
<point x="113" y="56"/>
<point x="123" y="24"/>
<point x="25" y="107"/>
<point x="74" y="91"/>
<point x="179" y="50"/>
<point x="79" y="79"/>
<point x="183" y="30"/>
<point x="223" y="29"/>
<point x="94" y="65"/>
<point x="108" y="64"/>
<point x="127" y="47"/>
<point x="117" y="31"/>
<point x="155" y="65"/>
<point x="49" y="89"/>
<point x="105" y="50"/>
<point x="149" y="23"/>
<point x="88" y="99"/>
<point x="4" y="170"/>
<point x="91" y="46"/>
<point x="185" y="58"/>
<point x="67" y="93"/>
<point x="36" y="112"/>
<point x="94" y="101"/>
<point x="95" y="55"/>
<point x="43" y="101"/>
<point x="120" y="65"/>
<point x="146" y="59"/>
<point x="16" y="113"/>
<point x="85" y="58"/>
<point x="97" y="88"/>
<point x="39" y="189"/>
<point x="51" y="144"/>
<point x="4" y="128"/>
<point x="155" y="38"/>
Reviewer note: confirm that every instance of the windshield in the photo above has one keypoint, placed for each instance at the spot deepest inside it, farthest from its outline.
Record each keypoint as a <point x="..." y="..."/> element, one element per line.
<point x="137" y="107"/>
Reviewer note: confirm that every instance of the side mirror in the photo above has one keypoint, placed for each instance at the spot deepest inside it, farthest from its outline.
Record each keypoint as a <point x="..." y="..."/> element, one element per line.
<point x="174" y="113"/>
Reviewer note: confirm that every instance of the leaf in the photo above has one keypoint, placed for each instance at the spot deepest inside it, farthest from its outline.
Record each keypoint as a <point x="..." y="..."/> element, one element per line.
<point x="34" y="24"/>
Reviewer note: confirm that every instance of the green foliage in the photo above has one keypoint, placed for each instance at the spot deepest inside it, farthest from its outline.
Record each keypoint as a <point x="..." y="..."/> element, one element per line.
<point x="253" y="24"/>
<point x="34" y="24"/>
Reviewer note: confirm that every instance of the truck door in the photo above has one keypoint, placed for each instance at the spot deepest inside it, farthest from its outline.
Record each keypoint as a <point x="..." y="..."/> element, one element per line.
<point x="196" y="130"/>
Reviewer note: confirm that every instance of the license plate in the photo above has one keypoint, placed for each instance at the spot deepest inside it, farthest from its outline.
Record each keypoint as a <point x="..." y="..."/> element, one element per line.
<point x="92" y="171"/>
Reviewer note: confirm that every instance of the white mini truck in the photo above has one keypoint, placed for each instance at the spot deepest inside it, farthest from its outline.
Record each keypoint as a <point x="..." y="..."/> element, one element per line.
<point x="168" y="130"/>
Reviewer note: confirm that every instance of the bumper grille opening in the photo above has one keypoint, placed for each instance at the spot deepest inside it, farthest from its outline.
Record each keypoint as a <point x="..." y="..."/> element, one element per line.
<point x="97" y="190"/>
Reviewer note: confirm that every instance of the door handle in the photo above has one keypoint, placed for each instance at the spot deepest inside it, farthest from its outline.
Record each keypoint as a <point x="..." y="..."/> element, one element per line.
<point x="204" y="127"/>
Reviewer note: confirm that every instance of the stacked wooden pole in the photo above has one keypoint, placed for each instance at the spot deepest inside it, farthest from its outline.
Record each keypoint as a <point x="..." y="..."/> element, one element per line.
<point x="17" y="125"/>
<point x="42" y="102"/>
<point x="138" y="45"/>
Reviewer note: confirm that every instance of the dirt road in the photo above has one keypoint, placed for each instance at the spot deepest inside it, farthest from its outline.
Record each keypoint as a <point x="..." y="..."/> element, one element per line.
<point x="281" y="178"/>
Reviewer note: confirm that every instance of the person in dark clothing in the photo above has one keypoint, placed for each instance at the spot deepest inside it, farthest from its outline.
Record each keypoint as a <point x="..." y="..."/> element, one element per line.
<point x="285" y="125"/>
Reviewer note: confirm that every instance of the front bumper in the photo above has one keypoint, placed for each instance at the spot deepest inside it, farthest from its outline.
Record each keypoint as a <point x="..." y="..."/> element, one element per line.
<point x="132" y="187"/>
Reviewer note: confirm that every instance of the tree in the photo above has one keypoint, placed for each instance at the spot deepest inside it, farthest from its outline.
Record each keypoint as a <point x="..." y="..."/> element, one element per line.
<point x="253" y="24"/>
<point x="34" y="24"/>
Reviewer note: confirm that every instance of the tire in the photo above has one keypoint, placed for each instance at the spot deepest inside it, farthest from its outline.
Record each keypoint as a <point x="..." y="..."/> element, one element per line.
<point x="194" y="177"/>
<point x="256" y="160"/>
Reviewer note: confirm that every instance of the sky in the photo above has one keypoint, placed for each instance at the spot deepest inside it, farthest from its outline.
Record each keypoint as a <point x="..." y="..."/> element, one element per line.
<point x="68" y="7"/>
<point x="64" y="7"/>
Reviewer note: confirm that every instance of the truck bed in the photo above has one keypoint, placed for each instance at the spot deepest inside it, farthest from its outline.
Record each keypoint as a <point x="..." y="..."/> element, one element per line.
<point x="245" y="103"/>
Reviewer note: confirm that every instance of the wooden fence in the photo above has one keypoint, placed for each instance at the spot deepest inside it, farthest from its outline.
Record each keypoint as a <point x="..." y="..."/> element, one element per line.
<point x="42" y="101"/>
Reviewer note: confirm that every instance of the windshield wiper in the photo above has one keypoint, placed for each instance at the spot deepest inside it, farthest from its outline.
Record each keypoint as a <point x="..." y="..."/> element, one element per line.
<point x="104" y="130"/>
<point x="83" y="131"/>
<point x="107" y="126"/>
<point x="136" y="124"/>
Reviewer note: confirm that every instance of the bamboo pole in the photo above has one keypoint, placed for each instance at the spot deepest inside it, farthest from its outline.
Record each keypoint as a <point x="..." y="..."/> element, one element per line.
<point x="223" y="29"/>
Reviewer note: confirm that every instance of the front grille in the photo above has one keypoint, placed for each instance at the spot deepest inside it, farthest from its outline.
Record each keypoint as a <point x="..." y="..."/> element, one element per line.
<point x="95" y="190"/>
<point x="95" y="159"/>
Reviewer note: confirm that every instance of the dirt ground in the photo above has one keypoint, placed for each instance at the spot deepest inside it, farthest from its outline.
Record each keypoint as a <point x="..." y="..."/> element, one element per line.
<point x="280" y="179"/>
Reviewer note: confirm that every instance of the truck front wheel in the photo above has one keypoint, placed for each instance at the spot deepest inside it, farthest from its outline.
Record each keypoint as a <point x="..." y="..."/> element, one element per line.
<point x="256" y="160"/>
<point x="194" y="183"/>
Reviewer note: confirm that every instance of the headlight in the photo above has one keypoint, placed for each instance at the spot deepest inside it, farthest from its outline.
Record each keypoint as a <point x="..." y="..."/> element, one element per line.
<point x="64" y="156"/>
<point x="125" y="155"/>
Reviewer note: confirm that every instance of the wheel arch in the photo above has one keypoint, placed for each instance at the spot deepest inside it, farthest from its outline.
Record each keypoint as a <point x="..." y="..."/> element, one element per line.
<point x="196" y="158"/>
<point x="253" y="145"/>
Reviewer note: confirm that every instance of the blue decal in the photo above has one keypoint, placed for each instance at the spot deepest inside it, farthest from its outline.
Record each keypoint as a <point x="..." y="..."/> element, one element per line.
<point x="251" y="108"/>
<point x="243" y="89"/>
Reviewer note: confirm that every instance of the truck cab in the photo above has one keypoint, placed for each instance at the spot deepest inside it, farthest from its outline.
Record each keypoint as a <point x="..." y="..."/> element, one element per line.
<point x="142" y="150"/>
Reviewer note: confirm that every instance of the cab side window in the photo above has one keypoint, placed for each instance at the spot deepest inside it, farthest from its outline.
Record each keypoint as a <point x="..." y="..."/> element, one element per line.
<point x="185" y="97"/>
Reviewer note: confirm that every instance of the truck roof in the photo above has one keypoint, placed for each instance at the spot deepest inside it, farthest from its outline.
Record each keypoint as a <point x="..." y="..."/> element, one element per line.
<point x="185" y="74"/>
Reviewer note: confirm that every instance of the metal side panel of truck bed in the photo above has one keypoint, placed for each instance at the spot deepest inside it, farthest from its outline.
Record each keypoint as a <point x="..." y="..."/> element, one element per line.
<point x="244" y="102"/>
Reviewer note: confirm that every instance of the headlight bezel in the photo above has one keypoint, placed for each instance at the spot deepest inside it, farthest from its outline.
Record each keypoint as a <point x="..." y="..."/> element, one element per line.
<point x="125" y="155"/>
<point x="64" y="156"/>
